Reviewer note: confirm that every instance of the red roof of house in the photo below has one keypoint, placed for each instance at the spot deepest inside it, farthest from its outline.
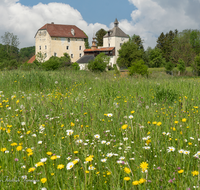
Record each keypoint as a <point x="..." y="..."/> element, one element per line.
<point x="58" y="30"/>
<point x="31" y="59"/>
<point x="100" y="49"/>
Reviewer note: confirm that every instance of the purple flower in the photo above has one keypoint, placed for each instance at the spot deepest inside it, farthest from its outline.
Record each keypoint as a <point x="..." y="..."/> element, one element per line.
<point x="159" y="168"/>
<point x="170" y="181"/>
<point x="16" y="159"/>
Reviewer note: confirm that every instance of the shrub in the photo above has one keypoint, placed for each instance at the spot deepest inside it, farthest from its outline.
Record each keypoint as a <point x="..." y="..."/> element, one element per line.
<point x="196" y="65"/>
<point x="169" y="67"/>
<point x="76" y="66"/>
<point x="138" y="67"/>
<point x="99" y="63"/>
<point x="181" y="66"/>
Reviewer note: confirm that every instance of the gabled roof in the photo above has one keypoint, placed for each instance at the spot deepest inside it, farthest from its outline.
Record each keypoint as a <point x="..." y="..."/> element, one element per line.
<point x="85" y="59"/>
<point x="116" y="31"/>
<point x="66" y="31"/>
<point x="100" y="49"/>
<point x="31" y="59"/>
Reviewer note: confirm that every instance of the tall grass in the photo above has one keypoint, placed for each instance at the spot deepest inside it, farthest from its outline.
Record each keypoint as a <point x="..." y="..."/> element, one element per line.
<point x="117" y="122"/>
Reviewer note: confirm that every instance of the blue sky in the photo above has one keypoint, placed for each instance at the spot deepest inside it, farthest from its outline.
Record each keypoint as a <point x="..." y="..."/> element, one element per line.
<point x="147" y="18"/>
<point x="103" y="11"/>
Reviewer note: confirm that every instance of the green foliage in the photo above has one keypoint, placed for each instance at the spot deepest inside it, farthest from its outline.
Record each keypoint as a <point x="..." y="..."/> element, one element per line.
<point x="195" y="40"/>
<point x="87" y="45"/>
<point x="181" y="66"/>
<point x="40" y="57"/>
<point x="128" y="53"/>
<point x="116" y="69"/>
<point x="99" y="63"/>
<point x="138" y="41"/>
<point x="99" y="36"/>
<point x="196" y="65"/>
<point x="169" y="66"/>
<point x="76" y="66"/>
<point x="26" y="53"/>
<point x="165" y="43"/>
<point x="138" y="67"/>
<point x="155" y="58"/>
<point x="166" y="94"/>
<point x="9" y="64"/>
<point x="55" y="62"/>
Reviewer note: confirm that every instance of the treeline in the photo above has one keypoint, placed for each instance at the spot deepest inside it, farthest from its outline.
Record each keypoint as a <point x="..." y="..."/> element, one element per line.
<point x="11" y="57"/>
<point x="173" y="49"/>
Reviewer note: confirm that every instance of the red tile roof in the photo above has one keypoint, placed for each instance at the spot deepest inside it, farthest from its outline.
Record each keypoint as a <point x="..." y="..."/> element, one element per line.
<point x="58" y="30"/>
<point x="31" y="59"/>
<point x="100" y="49"/>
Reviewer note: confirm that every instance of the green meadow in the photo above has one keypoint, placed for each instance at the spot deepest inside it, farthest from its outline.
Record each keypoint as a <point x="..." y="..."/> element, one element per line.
<point x="80" y="130"/>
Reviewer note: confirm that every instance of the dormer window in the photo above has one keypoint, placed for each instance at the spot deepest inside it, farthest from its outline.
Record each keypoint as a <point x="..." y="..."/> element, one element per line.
<point x="72" y="32"/>
<point x="68" y="39"/>
<point x="108" y="33"/>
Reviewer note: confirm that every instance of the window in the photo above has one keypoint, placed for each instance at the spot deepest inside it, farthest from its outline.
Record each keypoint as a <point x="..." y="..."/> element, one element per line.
<point x="45" y="47"/>
<point x="45" y="55"/>
<point x="67" y="47"/>
<point x="68" y="39"/>
<point x="40" y="48"/>
<point x="120" y="44"/>
<point x="80" y="54"/>
<point x="55" y="54"/>
<point x="72" y="55"/>
<point x="108" y="45"/>
<point x="79" y="47"/>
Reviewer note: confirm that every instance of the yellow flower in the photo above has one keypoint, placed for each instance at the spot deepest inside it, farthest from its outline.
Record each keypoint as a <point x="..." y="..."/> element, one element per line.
<point x="154" y="122"/>
<point x="108" y="173"/>
<point x="31" y="169"/>
<point x="127" y="178"/>
<point x="19" y="148"/>
<point x="60" y="166"/>
<point x="135" y="182"/>
<point x="127" y="170"/>
<point x="39" y="164"/>
<point x="159" y="124"/>
<point x="124" y="126"/>
<point x="89" y="158"/>
<point x="49" y="153"/>
<point x="144" y="166"/>
<point x="189" y="143"/>
<point x="29" y="150"/>
<point x="148" y="142"/>
<point x="14" y="144"/>
<point x="87" y="172"/>
<point x="43" y="180"/>
<point x="184" y="120"/>
<point x="52" y="174"/>
<point x="53" y="157"/>
<point x="176" y="122"/>
<point x="75" y="152"/>
<point x="72" y="124"/>
<point x="142" y="180"/>
<point x="195" y="173"/>
<point x="132" y="111"/>
<point x="3" y="149"/>
<point x="180" y="171"/>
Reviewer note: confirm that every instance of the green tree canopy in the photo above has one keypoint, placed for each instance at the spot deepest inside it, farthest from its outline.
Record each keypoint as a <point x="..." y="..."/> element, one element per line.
<point x="138" y="41"/>
<point x="128" y="53"/>
<point x="99" y="36"/>
<point x="99" y="63"/>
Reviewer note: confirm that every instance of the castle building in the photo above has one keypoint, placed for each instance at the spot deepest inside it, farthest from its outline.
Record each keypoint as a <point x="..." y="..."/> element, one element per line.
<point x="56" y="39"/>
<point x="112" y="42"/>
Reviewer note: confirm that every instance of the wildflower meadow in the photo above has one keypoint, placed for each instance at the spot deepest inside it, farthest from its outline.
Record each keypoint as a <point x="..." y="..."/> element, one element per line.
<point x="80" y="130"/>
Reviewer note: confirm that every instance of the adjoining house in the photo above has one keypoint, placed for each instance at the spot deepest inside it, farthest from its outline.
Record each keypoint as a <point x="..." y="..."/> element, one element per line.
<point x="112" y="42"/>
<point x="56" y="39"/>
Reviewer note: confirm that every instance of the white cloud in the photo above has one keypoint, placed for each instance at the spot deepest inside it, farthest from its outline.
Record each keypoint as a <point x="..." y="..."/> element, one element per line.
<point x="149" y="19"/>
<point x="155" y="16"/>
<point x="24" y="21"/>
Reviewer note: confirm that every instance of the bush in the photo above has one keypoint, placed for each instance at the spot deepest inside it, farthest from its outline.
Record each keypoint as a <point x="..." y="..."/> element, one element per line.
<point x="99" y="63"/>
<point x="181" y="66"/>
<point x="9" y="65"/>
<point x="116" y="69"/>
<point x="196" y="65"/>
<point x="76" y="66"/>
<point x="138" y="67"/>
<point x="169" y="67"/>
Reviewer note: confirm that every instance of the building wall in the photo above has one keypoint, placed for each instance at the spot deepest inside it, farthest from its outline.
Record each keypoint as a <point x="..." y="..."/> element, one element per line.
<point x="114" y="42"/>
<point x="58" y="46"/>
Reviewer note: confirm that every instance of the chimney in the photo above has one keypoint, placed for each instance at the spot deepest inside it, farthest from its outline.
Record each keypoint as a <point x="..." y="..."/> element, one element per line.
<point x="94" y="45"/>
<point x="52" y="22"/>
